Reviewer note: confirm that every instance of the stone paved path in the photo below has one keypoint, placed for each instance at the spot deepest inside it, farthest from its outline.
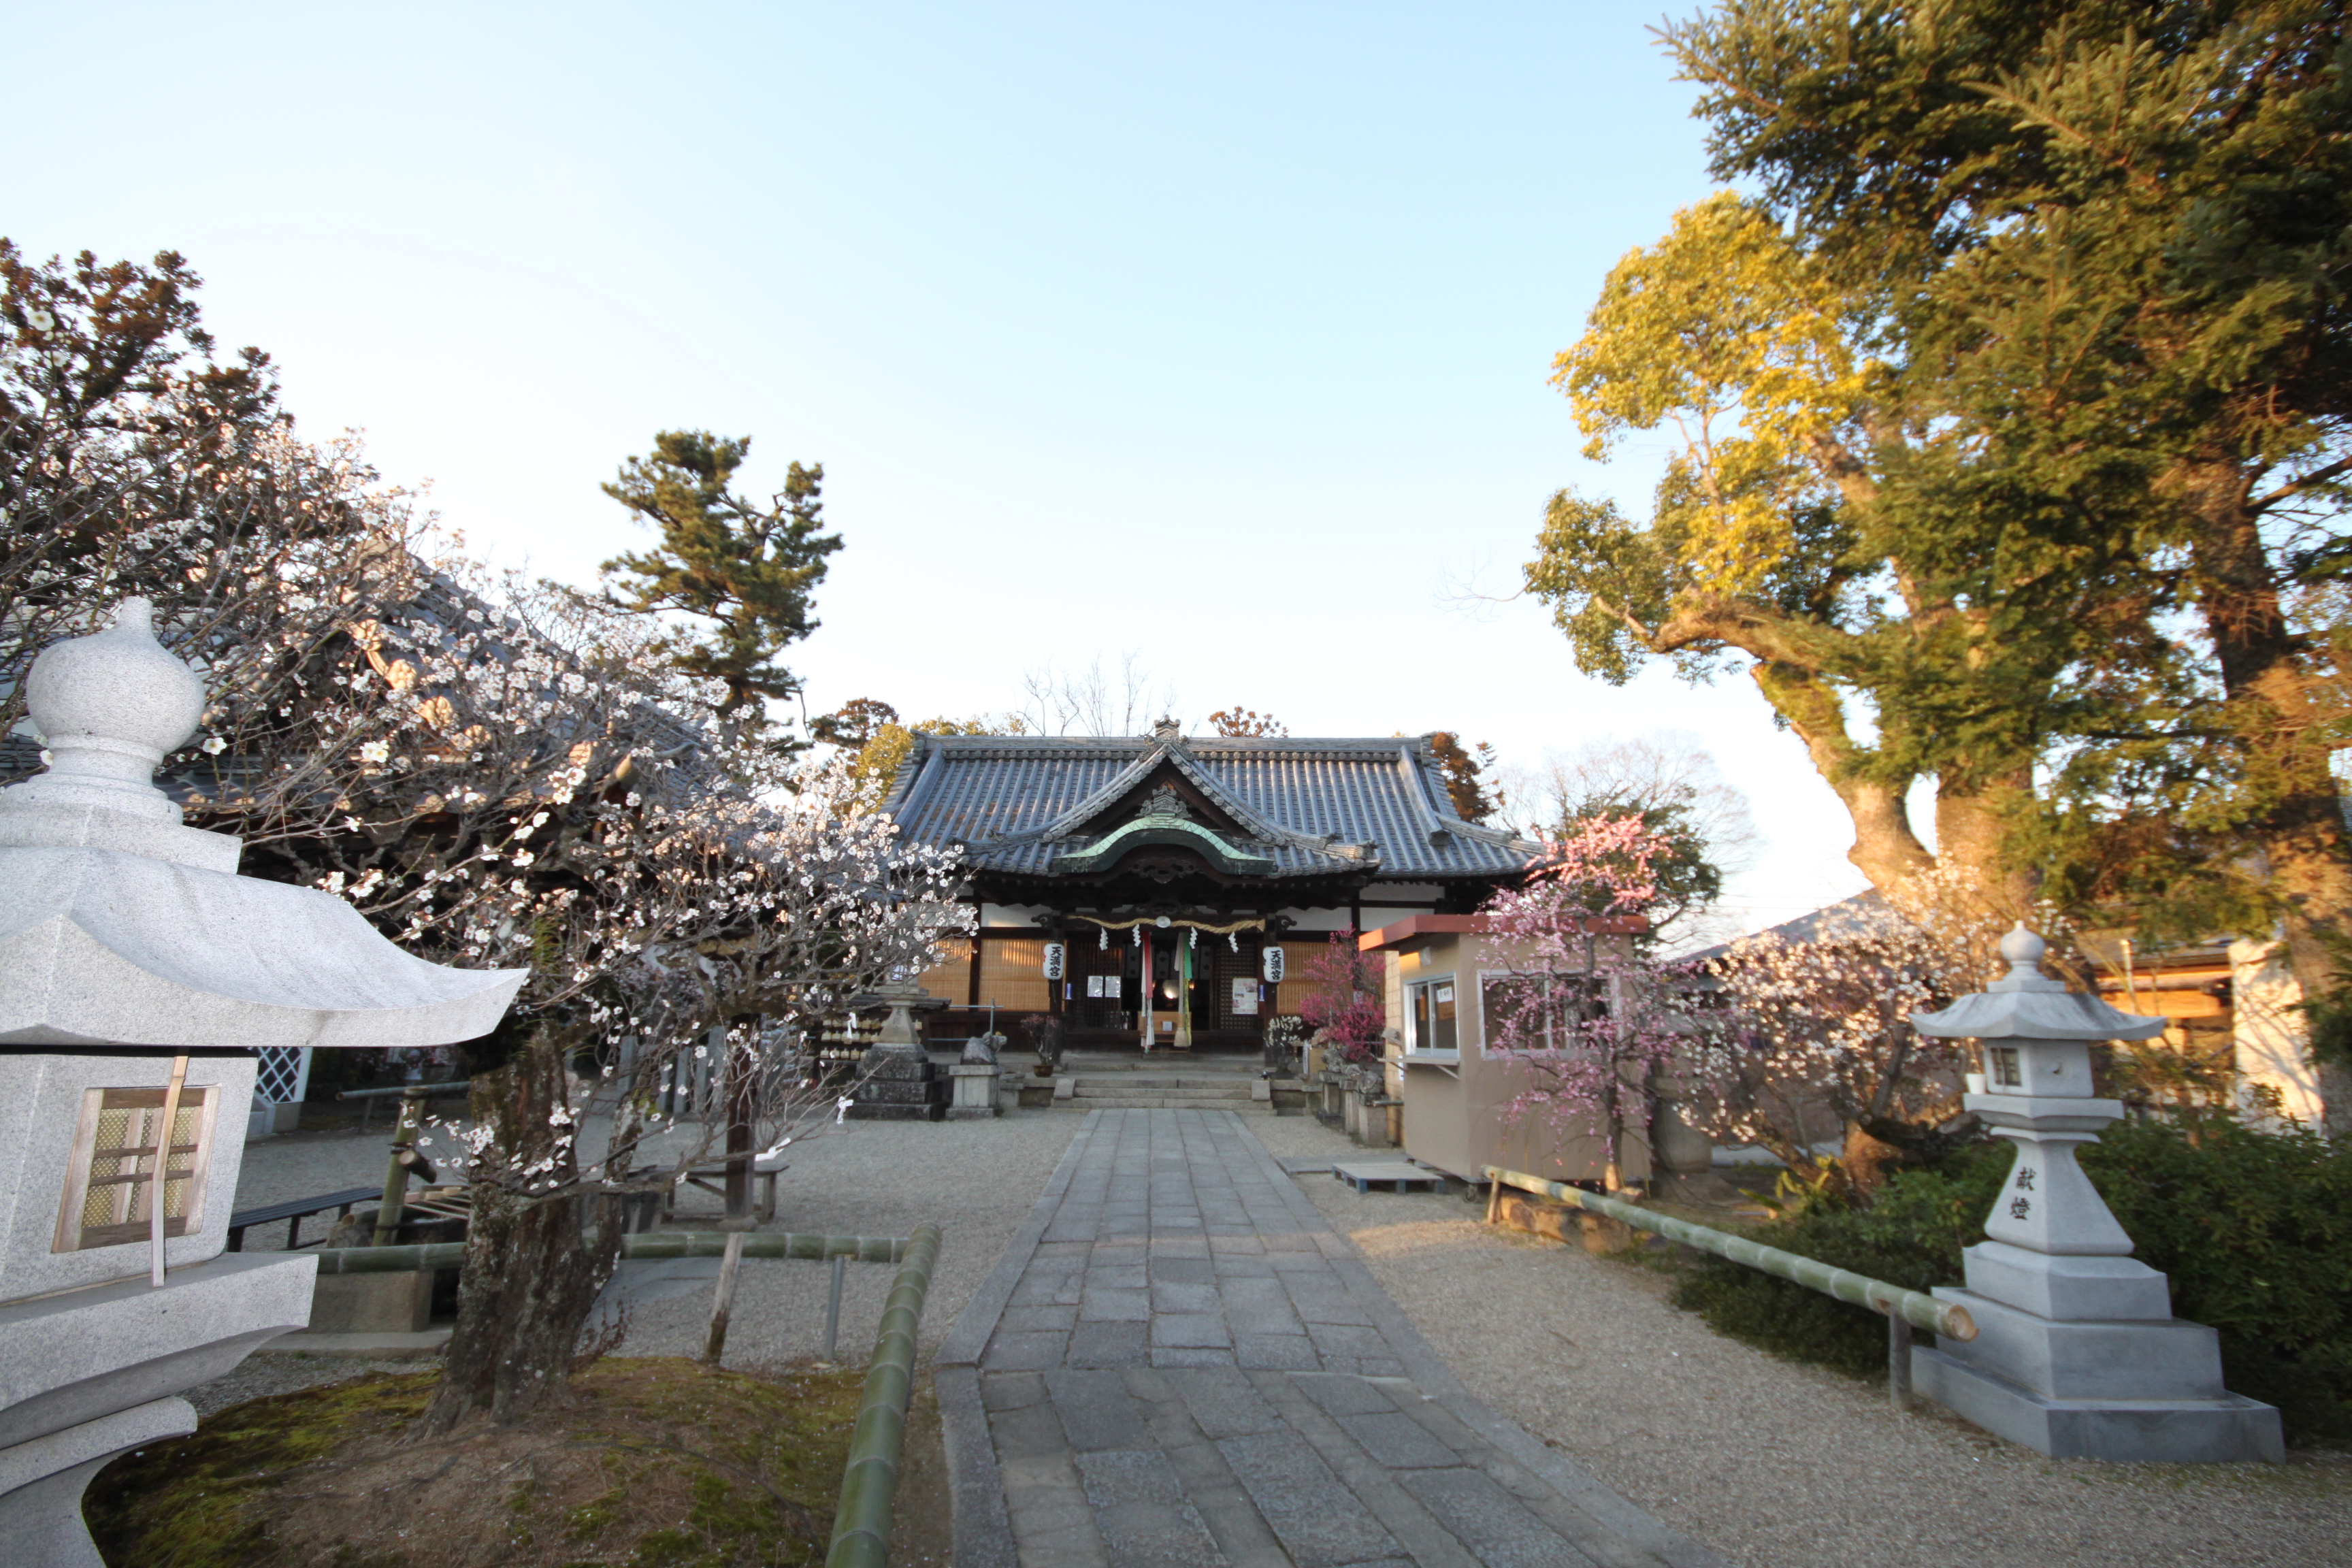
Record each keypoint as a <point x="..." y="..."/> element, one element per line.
<point x="1179" y="1362"/>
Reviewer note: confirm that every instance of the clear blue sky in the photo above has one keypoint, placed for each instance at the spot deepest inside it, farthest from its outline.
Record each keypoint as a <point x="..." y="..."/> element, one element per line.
<point x="1217" y="333"/>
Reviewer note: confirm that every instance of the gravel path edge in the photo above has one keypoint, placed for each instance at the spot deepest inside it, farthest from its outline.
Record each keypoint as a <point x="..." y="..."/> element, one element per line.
<point x="1430" y="1372"/>
<point x="980" y="1519"/>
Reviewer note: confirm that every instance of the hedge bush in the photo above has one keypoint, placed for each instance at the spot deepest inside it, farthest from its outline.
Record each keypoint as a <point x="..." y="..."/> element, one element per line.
<point x="2254" y="1230"/>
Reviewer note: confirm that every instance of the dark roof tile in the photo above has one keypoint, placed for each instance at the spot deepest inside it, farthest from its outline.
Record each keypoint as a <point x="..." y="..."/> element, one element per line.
<point x="1010" y="799"/>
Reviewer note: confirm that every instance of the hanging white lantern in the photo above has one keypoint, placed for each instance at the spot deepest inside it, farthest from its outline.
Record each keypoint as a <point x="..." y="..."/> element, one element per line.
<point x="1055" y="954"/>
<point x="1270" y="963"/>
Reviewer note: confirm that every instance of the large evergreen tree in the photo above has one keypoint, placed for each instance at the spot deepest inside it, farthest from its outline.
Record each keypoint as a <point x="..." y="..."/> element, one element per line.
<point x="2116" y="238"/>
<point x="2022" y="432"/>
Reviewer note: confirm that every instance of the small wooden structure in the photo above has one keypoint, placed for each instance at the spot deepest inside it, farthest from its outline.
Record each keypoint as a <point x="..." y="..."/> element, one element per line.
<point x="1442" y="971"/>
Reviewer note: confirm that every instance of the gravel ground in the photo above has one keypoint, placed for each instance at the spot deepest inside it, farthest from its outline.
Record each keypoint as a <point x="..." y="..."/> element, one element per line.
<point x="975" y="1180"/>
<point x="1772" y="1464"/>
<point x="1776" y="1465"/>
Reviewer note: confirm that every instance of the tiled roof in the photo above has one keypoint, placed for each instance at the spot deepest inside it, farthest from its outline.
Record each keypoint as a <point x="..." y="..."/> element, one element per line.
<point x="1316" y="807"/>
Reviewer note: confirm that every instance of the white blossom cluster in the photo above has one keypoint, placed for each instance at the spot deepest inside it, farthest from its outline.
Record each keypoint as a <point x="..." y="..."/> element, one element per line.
<point x="1805" y="1037"/>
<point x="498" y="773"/>
<point x="541" y="795"/>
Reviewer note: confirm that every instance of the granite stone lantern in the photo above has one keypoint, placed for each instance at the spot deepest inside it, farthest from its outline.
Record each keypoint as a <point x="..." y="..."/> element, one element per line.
<point x="139" y="973"/>
<point x="900" y="1083"/>
<point x="2077" y="1352"/>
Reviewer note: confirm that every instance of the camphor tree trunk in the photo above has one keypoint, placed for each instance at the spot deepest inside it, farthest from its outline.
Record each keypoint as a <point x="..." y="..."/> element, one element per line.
<point x="1885" y="849"/>
<point x="533" y="1271"/>
<point x="2299" y="824"/>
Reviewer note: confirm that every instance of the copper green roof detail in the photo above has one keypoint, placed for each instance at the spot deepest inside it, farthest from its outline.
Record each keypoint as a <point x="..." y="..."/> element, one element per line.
<point x="1169" y="828"/>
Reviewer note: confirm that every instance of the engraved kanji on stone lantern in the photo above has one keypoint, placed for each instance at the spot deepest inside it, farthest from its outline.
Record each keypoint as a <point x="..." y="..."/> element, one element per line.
<point x="139" y="973"/>
<point x="2077" y="1352"/>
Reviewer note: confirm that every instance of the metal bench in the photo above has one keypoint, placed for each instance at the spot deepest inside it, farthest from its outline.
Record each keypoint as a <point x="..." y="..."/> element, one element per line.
<point x="295" y="1210"/>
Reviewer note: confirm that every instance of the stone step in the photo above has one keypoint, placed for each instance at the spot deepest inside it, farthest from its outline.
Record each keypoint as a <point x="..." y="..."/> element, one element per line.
<point x="1153" y="1102"/>
<point x="1165" y="1062"/>
<point x="1193" y="1089"/>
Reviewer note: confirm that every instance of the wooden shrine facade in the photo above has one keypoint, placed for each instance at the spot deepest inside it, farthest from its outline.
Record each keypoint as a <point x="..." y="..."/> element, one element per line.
<point x="1165" y="865"/>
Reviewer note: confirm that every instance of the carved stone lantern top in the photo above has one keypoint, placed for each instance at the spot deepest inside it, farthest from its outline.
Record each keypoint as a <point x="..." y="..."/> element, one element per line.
<point x="119" y="925"/>
<point x="2026" y="1004"/>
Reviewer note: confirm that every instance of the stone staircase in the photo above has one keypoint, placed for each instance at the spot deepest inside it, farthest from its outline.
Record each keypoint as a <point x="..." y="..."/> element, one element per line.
<point x="1209" y="1085"/>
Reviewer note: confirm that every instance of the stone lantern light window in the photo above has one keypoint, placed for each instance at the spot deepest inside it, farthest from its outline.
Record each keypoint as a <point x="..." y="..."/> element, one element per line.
<point x="109" y="1179"/>
<point x="139" y="973"/>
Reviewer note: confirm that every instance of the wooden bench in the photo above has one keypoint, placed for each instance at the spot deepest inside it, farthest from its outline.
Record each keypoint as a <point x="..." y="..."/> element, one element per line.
<point x="712" y="1179"/>
<point x="295" y="1210"/>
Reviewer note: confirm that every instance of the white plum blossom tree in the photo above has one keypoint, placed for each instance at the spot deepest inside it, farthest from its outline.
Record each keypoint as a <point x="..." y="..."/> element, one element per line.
<point x="1810" y="1033"/>
<point x="498" y="773"/>
<point x="547" y="795"/>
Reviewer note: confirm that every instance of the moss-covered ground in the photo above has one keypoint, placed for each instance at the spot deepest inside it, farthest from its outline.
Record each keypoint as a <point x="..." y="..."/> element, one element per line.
<point x="649" y="1462"/>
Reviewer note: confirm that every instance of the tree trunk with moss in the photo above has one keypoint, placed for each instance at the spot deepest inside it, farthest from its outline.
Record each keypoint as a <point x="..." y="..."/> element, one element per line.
<point x="533" y="1269"/>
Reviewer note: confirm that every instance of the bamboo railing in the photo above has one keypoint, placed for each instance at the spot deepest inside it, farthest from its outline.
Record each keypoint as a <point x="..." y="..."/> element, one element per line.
<point x="640" y="1244"/>
<point x="869" y="1482"/>
<point x="1904" y="1310"/>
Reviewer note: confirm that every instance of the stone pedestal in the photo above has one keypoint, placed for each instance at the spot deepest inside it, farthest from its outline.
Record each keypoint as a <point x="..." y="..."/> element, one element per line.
<point x="899" y="1086"/>
<point x="899" y="1082"/>
<point x="93" y="1373"/>
<point x="372" y="1303"/>
<point x="1682" y="1158"/>
<point x="2077" y="1354"/>
<point x="1367" y="1121"/>
<point x="975" y="1091"/>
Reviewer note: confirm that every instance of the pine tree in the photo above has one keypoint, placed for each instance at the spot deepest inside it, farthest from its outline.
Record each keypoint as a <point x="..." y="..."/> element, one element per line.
<point x="743" y="570"/>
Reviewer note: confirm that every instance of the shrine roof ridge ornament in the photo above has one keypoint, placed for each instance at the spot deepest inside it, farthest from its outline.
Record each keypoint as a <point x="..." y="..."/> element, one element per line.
<point x="120" y="925"/>
<point x="2027" y="1005"/>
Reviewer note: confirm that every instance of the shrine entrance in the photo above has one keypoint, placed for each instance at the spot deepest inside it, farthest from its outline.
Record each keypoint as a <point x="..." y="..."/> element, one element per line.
<point x="1137" y="889"/>
<point x="1176" y="987"/>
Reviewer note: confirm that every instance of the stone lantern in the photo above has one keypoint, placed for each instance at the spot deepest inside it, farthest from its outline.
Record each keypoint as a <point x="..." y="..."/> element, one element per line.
<point x="2077" y="1352"/>
<point x="900" y="1083"/>
<point x="139" y="973"/>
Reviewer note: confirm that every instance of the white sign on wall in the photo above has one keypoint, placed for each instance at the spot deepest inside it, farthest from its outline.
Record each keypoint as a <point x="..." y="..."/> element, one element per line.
<point x="1245" y="996"/>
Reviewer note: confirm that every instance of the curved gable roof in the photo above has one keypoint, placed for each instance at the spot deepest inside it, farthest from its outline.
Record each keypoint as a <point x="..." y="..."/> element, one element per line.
<point x="1311" y="806"/>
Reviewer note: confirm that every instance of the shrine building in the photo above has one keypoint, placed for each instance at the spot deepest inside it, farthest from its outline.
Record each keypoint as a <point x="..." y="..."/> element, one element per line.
<point x="1174" y="888"/>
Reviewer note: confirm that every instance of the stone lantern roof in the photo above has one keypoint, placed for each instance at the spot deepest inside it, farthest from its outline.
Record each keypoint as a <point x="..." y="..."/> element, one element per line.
<point x="119" y="925"/>
<point x="2027" y="1005"/>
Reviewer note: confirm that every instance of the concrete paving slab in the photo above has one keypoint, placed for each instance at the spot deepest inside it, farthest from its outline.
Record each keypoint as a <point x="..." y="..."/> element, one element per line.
<point x="1142" y="1395"/>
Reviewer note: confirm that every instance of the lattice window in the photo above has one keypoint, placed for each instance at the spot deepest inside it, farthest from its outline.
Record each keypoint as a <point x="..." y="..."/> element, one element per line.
<point x="951" y="974"/>
<point x="283" y="1075"/>
<point x="112" y="1173"/>
<point x="1235" y="992"/>
<point x="1013" y="976"/>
